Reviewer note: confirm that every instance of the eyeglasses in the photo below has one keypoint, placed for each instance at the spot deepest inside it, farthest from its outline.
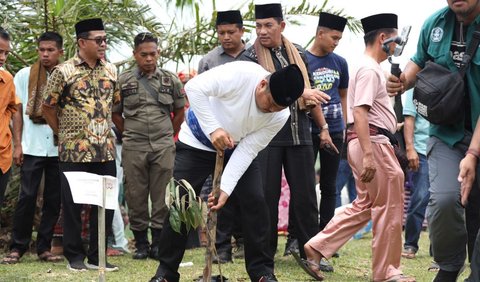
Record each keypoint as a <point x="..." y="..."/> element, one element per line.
<point x="98" y="40"/>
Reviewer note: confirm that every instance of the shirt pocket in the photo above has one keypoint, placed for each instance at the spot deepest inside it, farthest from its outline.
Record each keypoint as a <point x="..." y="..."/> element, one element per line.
<point x="131" y="98"/>
<point x="165" y="98"/>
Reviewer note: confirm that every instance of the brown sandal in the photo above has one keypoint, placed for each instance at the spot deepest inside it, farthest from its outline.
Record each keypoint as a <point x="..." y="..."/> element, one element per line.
<point x="49" y="257"/>
<point x="12" y="258"/>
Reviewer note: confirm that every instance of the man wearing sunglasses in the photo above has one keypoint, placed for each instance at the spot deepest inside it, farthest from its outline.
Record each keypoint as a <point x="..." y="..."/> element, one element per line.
<point x="80" y="94"/>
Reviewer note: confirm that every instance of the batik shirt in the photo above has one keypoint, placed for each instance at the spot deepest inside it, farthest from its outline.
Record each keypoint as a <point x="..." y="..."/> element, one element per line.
<point x="84" y="98"/>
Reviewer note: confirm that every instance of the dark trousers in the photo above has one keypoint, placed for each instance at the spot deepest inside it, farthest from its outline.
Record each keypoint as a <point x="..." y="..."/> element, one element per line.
<point x="328" y="176"/>
<point x="3" y="184"/>
<point x="195" y="166"/>
<point x="228" y="224"/>
<point x="299" y="170"/>
<point x="31" y="172"/>
<point x="72" y="224"/>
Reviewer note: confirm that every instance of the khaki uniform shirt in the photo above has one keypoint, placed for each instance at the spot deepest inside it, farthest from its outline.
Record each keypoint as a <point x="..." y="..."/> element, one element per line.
<point x="148" y="120"/>
<point x="84" y="98"/>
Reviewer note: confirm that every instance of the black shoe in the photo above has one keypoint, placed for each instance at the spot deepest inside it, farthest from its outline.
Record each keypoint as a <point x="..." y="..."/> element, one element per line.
<point x="291" y="246"/>
<point x="154" y="252"/>
<point x="268" y="278"/>
<point x="325" y="266"/>
<point x="141" y="253"/>
<point x="77" y="266"/>
<point x="222" y="257"/>
<point x="239" y="252"/>
<point x="108" y="267"/>
<point x="447" y="276"/>
<point x="158" y="279"/>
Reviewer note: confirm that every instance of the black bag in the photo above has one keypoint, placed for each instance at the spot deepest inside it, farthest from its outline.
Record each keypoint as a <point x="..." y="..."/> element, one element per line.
<point x="439" y="93"/>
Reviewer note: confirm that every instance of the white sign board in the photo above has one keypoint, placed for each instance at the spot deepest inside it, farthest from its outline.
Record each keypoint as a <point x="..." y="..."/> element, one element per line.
<point x="87" y="188"/>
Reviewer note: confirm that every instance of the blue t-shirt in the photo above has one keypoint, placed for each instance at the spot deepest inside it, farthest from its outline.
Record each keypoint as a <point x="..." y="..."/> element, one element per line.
<point x="330" y="73"/>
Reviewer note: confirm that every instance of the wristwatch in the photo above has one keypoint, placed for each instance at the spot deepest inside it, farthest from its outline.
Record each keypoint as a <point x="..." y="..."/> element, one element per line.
<point x="325" y="126"/>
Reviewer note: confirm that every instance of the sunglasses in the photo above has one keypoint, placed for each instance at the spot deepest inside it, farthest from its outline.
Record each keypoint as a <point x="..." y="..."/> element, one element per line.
<point x="98" y="40"/>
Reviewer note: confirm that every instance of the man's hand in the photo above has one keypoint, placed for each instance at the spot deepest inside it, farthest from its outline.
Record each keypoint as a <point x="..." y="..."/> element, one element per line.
<point x="17" y="155"/>
<point x="316" y="96"/>
<point x="215" y="204"/>
<point x="466" y="176"/>
<point x="221" y="140"/>
<point x="394" y="85"/>
<point x="413" y="160"/>
<point x="326" y="141"/>
<point x="369" y="168"/>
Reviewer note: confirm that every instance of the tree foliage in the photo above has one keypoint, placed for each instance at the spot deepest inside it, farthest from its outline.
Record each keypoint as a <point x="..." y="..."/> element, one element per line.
<point x="26" y="19"/>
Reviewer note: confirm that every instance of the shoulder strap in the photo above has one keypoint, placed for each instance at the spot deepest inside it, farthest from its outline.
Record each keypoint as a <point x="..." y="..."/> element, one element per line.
<point x="150" y="90"/>
<point x="471" y="49"/>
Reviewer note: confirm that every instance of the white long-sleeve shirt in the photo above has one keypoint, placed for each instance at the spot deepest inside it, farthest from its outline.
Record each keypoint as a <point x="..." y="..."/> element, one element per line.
<point x="224" y="97"/>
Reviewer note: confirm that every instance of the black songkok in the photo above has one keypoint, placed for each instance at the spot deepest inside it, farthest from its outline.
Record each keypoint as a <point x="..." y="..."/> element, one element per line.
<point x="89" y="25"/>
<point x="287" y="85"/>
<point x="229" y="17"/>
<point x="332" y="21"/>
<point x="379" y="21"/>
<point x="268" y="11"/>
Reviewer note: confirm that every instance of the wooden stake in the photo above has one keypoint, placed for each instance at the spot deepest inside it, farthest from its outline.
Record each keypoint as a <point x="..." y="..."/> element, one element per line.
<point x="212" y="219"/>
<point x="101" y="237"/>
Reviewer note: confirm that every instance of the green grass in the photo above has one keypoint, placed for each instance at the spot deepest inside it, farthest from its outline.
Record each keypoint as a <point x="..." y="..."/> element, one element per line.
<point x="354" y="264"/>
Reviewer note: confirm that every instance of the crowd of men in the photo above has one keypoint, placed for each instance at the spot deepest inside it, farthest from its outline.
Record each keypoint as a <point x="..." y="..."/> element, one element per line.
<point x="269" y="107"/>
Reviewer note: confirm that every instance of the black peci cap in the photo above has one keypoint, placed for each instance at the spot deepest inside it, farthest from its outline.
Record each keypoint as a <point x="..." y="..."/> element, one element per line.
<point x="229" y="17"/>
<point x="268" y="11"/>
<point x="287" y="85"/>
<point x="332" y="21"/>
<point x="379" y="21"/>
<point x="88" y="25"/>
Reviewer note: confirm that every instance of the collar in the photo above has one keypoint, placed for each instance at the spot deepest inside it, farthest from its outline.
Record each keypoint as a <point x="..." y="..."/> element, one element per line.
<point x="139" y="74"/>
<point x="222" y="51"/>
<point x="77" y="60"/>
<point x="2" y="72"/>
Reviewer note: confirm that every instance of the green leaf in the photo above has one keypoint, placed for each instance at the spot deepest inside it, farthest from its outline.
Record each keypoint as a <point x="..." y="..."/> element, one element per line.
<point x="59" y="4"/>
<point x="175" y="220"/>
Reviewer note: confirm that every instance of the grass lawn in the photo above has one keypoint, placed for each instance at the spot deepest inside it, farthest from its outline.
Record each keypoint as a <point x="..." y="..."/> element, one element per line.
<point x="352" y="265"/>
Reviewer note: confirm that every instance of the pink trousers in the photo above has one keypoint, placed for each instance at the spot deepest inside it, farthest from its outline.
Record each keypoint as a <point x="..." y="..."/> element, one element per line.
<point x="381" y="200"/>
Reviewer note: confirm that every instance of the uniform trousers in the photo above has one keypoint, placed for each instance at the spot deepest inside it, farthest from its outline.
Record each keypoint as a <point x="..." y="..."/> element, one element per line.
<point x="299" y="170"/>
<point x="72" y="223"/>
<point x="146" y="175"/>
<point x="31" y="174"/>
<point x="381" y="200"/>
<point x="195" y="166"/>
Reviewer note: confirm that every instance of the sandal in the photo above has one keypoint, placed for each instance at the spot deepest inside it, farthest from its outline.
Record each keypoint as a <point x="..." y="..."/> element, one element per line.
<point x="12" y="258"/>
<point x="408" y="253"/>
<point x="306" y="266"/>
<point x="49" y="257"/>
<point x="434" y="267"/>
<point x="111" y="252"/>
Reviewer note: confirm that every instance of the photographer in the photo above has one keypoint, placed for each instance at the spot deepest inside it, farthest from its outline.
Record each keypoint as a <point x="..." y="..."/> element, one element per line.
<point x="444" y="39"/>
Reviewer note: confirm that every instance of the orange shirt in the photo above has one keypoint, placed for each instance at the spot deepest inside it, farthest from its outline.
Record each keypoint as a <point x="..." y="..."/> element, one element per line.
<point x="8" y="100"/>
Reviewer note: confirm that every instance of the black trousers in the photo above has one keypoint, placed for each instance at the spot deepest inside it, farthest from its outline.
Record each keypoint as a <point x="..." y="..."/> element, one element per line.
<point x="72" y="223"/>
<point x="3" y="184"/>
<point x="195" y="166"/>
<point x="31" y="172"/>
<point x="228" y="224"/>
<point x="328" y="176"/>
<point x="298" y="165"/>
